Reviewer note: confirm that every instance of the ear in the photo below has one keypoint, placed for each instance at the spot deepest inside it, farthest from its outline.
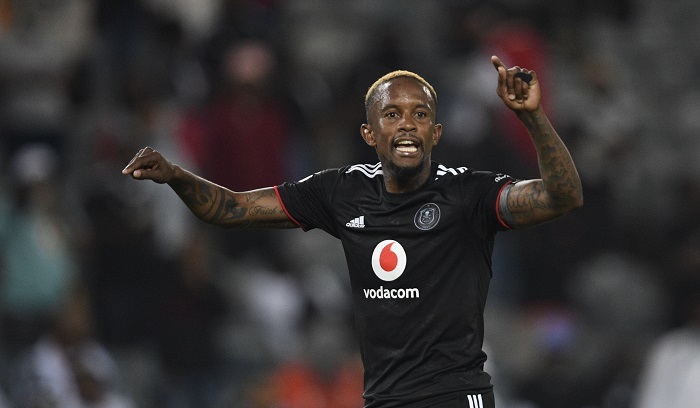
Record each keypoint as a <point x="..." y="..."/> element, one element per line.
<point x="366" y="133"/>
<point x="437" y="132"/>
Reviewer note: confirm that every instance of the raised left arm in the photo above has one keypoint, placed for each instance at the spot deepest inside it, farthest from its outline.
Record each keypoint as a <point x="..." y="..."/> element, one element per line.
<point x="559" y="189"/>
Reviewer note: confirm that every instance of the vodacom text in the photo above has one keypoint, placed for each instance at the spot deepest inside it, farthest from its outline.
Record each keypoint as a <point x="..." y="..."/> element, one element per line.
<point x="384" y="293"/>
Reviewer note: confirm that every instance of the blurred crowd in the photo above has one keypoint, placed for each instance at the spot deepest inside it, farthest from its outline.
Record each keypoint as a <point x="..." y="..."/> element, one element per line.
<point x="113" y="296"/>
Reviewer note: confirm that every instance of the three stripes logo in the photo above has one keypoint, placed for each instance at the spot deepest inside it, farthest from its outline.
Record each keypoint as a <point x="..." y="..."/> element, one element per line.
<point x="358" y="222"/>
<point x="475" y="401"/>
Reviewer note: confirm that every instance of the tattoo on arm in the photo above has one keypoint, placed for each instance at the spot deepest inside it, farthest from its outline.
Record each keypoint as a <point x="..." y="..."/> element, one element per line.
<point x="216" y="205"/>
<point x="559" y="175"/>
<point x="194" y="194"/>
<point x="207" y="201"/>
<point x="559" y="189"/>
<point x="525" y="202"/>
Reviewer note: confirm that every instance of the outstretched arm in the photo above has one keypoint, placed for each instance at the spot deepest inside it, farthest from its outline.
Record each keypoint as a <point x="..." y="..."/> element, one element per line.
<point x="559" y="190"/>
<point x="210" y="202"/>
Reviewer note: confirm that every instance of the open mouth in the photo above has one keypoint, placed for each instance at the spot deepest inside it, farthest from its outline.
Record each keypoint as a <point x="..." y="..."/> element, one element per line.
<point x="406" y="146"/>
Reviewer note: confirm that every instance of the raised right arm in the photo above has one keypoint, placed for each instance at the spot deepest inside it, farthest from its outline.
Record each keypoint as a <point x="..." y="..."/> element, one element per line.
<point x="208" y="201"/>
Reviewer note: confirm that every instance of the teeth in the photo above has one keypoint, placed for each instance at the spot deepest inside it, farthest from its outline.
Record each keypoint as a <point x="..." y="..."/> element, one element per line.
<point x="406" y="146"/>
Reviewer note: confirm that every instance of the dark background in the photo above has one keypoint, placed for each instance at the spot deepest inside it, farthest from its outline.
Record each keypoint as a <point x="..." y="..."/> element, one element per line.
<point x="111" y="291"/>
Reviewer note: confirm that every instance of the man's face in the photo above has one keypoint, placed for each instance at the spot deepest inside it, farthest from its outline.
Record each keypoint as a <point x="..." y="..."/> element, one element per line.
<point x="402" y="126"/>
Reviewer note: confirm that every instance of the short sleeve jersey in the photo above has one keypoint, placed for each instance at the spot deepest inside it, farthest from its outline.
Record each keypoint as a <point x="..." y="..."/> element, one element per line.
<point x="420" y="265"/>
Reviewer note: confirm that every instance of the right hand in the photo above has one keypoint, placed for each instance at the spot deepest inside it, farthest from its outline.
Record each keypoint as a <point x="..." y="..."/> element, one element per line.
<point x="149" y="164"/>
<point x="516" y="94"/>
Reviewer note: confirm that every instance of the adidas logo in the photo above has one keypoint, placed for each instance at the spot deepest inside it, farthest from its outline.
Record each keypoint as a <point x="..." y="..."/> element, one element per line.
<point x="358" y="222"/>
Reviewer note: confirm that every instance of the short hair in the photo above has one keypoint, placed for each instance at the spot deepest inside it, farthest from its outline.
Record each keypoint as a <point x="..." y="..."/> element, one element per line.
<point x="371" y="93"/>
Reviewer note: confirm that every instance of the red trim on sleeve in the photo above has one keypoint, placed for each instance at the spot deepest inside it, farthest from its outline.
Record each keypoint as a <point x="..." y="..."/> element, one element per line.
<point x="498" y="207"/>
<point x="279" y="198"/>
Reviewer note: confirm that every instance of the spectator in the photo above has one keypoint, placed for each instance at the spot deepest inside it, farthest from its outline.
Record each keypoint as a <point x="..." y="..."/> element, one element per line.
<point x="37" y="261"/>
<point x="67" y="367"/>
<point x="190" y="311"/>
<point x="672" y="373"/>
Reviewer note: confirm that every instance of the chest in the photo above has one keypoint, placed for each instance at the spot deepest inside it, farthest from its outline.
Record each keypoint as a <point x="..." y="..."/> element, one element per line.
<point x="415" y="238"/>
<point x="423" y="216"/>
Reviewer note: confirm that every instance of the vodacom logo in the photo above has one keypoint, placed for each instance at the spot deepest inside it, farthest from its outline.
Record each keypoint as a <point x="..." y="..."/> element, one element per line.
<point x="388" y="260"/>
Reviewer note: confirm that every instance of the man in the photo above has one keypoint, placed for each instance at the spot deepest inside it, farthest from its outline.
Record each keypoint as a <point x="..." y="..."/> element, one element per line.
<point x="418" y="236"/>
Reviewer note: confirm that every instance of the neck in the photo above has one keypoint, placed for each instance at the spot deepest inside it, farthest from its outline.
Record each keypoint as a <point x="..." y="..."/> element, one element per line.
<point x="402" y="180"/>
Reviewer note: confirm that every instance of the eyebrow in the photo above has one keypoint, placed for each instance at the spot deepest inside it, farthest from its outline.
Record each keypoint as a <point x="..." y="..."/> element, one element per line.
<point x="395" y="106"/>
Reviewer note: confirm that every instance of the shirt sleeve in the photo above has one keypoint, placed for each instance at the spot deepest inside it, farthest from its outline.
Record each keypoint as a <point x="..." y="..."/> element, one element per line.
<point x="308" y="202"/>
<point x="481" y="193"/>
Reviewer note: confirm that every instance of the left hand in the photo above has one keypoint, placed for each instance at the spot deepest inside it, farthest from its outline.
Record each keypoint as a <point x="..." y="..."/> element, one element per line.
<point x="149" y="164"/>
<point x="515" y="93"/>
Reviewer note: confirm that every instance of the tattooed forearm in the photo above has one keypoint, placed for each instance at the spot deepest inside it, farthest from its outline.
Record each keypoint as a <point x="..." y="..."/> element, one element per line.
<point x="558" y="173"/>
<point x="207" y="201"/>
<point x="220" y="206"/>
<point x="194" y="193"/>
<point x="230" y="209"/>
<point x="559" y="190"/>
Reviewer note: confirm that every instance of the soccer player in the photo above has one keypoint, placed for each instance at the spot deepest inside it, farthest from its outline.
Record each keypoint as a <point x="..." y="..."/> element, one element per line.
<point x="418" y="236"/>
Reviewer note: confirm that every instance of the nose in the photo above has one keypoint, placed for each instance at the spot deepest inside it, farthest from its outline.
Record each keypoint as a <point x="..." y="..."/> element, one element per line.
<point x="407" y="124"/>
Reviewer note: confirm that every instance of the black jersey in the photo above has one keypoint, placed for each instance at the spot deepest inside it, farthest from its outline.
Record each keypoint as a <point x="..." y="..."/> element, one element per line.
<point x="420" y="265"/>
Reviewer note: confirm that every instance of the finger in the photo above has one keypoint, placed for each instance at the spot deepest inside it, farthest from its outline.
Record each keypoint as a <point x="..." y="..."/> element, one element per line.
<point x="144" y="168"/>
<point x="520" y="87"/>
<point x="143" y="173"/>
<point x="525" y="78"/>
<point x="497" y="62"/>
<point x="501" y="68"/>
<point x="129" y="167"/>
<point x="510" y="84"/>
<point x="137" y="161"/>
<point x="518" y="90"/>
<point x="502" y="73"/>
<point x="525" y="87"/>
<point x="137" y="168"/>
<point x="532" y="81"/>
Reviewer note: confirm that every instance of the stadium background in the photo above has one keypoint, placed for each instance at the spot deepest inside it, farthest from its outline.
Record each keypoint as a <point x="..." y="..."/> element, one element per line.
<point x="157" y="310"/>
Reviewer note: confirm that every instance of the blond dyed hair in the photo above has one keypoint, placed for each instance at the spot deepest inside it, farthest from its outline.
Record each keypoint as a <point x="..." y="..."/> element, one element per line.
<point x="370" y="96"/>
